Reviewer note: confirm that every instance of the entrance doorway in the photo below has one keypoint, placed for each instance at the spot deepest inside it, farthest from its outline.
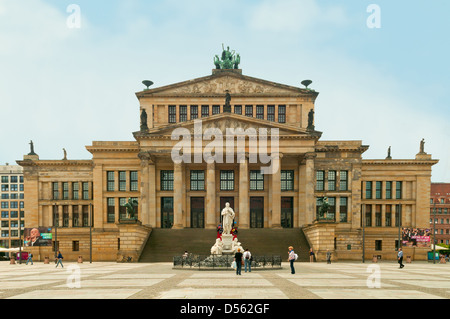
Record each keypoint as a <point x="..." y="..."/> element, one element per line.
<point x="223" y="201"/>
<point x="197" y="212"/>
<point x="287" y="212"/>
<point x="256" y="212"/>
<point x="166" y="212"/>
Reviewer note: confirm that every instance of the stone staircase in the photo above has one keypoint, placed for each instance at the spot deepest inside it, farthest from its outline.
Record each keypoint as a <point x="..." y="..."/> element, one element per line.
<point x="163" y="244"/>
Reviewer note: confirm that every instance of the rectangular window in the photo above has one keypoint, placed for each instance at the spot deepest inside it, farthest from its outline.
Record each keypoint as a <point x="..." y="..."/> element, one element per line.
<point x="388" y="190"/>
<point x="320" y="176"/>
<point x="5" y="187"/>
<point x="85" y="216"/>
<point x="122" y="181"/>
<point x="13" y="196"/>
<point x="205" y="110"/>
<point x="398" y="190"/>
<point x="287" y="180"/>
<point x="55" y="190"/>
<point x="75" y="245"/>
<point x="5" y="179"/>
<point x="368" y="190"/>
<point x="331" y="180"/>
<point x="271" y="113"/>
<point x="5" y="196"/>
<point x="260" y="112"/>
<point x="14" y="179"/>
<point x="378" y="188"/>
<point x="215" y="109"/>
<point x="122" y="208"/>
<point x="75" y="216"/>
<point x="5" y="205"/>
<point x="332" y="208"/>
<point x="13" y="187"/>
<point x="249" y="110"/>
<point x="111" y="210"/>
<point x="110" y="182"/>
<point x="85" y="187"/>
<point x="65" y="216"/>
<point x="378" y="215"/>
<point x="343" y="209"/>
<point x="167" y="180"/>
<point x="65" y="186"/>
<point x="14" y="205"/>
<point x="238" y="109"/>
<point x="281" y="113"/>
<point x="134" y="181"/>
<point x="194" y="112"/>
<point x="388" y="215"/>
<point x="14" y="233"/>
<point x="5" y="224"/>
<point x="75" y="190"/>
<point x="256" y="180"/>
<point x="343" y="180"/>
<point x="183" y="113"/>
<point x="5" y="233"/>
<point x="197" y="180"/>
<point x="227" y="180"/>
<point x="378" y="245"/>
<point x="368" y="215"/>
<point x="172" y="113"/>
<point x="5" y="214"/>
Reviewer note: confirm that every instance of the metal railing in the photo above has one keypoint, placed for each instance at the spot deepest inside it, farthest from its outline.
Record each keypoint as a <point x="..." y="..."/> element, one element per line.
<point x="223" y="262"/>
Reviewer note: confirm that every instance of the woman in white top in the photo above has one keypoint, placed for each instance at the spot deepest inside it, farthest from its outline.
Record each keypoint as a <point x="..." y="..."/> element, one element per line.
<point x="248" y="260"/>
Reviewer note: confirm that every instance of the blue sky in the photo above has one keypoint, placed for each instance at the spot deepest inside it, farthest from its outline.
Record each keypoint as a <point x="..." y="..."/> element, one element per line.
<point x="66" y="87"/>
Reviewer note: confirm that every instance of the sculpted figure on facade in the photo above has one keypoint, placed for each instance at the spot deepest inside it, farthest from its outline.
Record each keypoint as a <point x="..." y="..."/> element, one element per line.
<point x="228" y="217"/>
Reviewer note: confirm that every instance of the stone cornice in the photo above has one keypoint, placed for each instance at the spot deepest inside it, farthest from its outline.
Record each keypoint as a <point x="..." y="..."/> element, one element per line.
<point x="399" y="162"/>
<point x="56" y="163"/>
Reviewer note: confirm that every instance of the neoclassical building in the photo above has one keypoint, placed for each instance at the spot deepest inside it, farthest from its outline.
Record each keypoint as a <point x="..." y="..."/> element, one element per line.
<point x="366" y="198"/>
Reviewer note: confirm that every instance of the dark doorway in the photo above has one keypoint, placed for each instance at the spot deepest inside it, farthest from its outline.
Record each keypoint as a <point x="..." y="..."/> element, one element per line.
<point x="166" y="212"/>
<point x="287" y="212"/>
<point x="197" y="212"/>
<point x="256" y="212"/>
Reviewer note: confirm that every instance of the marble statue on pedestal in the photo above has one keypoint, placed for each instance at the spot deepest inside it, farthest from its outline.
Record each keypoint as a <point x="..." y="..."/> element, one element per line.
<point x="228" y="217"/>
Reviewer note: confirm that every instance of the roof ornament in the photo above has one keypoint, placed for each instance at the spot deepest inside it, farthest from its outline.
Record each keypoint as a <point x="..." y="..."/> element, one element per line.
<point x="147" y="83"/>
<point x="230" y="60"/>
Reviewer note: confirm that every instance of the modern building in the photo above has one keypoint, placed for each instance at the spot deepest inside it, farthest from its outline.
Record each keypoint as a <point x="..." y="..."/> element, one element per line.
<point x="194" y="119"/>
<point x="440" y="212"/>
<point x="12" y="205"/>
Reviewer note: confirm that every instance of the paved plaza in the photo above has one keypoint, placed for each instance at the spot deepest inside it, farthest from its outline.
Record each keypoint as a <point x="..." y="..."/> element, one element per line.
<point x="419" y="280"/>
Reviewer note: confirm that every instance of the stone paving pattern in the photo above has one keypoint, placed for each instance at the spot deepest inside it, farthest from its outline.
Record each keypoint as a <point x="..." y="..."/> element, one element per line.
<point x="419" y="280"/>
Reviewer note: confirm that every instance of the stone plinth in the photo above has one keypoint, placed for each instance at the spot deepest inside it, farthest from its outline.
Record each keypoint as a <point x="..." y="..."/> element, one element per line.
<point x="227" y="244"/>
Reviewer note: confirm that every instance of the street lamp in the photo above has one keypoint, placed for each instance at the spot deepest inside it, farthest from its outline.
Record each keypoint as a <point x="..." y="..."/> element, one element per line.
<point x="363" y="213"/>
<point x="90" y="233"/>
<point x="20" y="236"/>
<point x="399" y="216"/>
<point x="434" y="232"/>
<point x="55" y="223"/>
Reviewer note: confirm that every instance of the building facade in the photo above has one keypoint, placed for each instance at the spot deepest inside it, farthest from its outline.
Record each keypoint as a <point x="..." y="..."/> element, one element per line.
<point x="440" y="212"/>
<point x="12" y="205"/>
<point x="200" y="121"/>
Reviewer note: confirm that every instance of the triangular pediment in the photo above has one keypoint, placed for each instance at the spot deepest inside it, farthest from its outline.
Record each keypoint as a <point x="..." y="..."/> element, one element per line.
<point x="226" y="121"/>
<point x="221" y="82"/>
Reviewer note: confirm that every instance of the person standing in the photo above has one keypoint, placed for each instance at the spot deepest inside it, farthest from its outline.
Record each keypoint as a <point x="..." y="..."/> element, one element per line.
<point x="400" y="258"/>
<point x="30" y="258"/>
<point x="291" y="259"/>
<point x="328" y="256"/>
<point x="247" y="260"/>
<point x="60" y="258"/>
<point x="238" y="260"/>
<point x="311" y="255"/>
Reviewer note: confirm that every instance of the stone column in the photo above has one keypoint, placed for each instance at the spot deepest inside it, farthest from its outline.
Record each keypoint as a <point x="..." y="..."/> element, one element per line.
<point x="60" y="215"/>
<point x="276" y="192"/>
<point x="143" y="201"/>
<point x="307" y="201"/>
<point x="152" y="193"/>
<point x="70" y="216"/>
<point x="178" y="196"/>
<point x="244" y="216"/>
<point x="211" y="196"/>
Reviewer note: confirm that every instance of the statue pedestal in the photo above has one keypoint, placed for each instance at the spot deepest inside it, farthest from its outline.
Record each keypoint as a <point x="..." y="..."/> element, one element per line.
<point x="227" y="241"/>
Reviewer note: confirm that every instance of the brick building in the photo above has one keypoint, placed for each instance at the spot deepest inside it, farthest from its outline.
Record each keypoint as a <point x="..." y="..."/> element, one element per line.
<point x="440" y="211"/>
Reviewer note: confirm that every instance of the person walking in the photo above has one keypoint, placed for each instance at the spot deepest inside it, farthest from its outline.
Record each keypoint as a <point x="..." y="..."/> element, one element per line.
<point x="30" y="258"/>
<point x="400" y="258"/>
<point x="247" y="260"/>
<point x="238" y="260"/>
<point x="328" y="256"/>
<point x="311" y="255"/>
<point x="291" y="259"/>
<point x="60" y="258"/>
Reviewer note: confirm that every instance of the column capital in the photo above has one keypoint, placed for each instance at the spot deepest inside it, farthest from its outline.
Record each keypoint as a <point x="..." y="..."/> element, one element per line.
<point x="147" y="158"/>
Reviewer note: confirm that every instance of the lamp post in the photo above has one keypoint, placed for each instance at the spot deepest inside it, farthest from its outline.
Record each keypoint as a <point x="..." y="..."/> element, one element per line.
<point x="55" y="223"/>
<point x="434" y="232"/>
<point x="90" y="233"/>
<point x="399" y="216"/>
<point x="20" y="236"/>
<point x="363" y="213"/>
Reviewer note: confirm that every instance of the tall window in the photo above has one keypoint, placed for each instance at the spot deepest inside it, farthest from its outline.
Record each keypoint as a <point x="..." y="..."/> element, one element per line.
<point x="85" y="215"/>
<point x="332" y="208"/>
<point x="281" y="113"/>
<point x="55" y="190"/>
<point x="331" y="180"/>
<point x="368" y="215"/>
<point x="65" y="216"/>
<point x="249" y="110"/>
<point x="238" y="109"/>
<point x="398" y="190"/>
<point x="256" y="180"/>
<point x="183" y="113"/>
<point x="343" y="209"/>
<point x="167" y="180"/>
<point x="271" y="113"/>
<point x="368" y="190"/>
<point x="215" y="109"/>
<point x="85" y="187"/>
<point x="194" y="112"/>
<point x="75" y="190"/>
<point x="122" y="181"/>
<point x="205" y="110"/>
<point x="110" y="187"/>
<point x="172" y="113"/>
<point x="5" y="179"/>
<point x="287" y="180"/>
<point x="343" y="180"/>
<point x="388" y="215"/>
<point x="111" y="210"/>
<point x="226" y="180"/>
<point x="75" y="216"/>
<point x="388" y="190"/>
<point x="197" y="180"/>
<point x="133" y="181"/>
<point x="378" y="215"/>
<point x="260" y="112"/>
<point x="378" y="187"/>
<point x="122" y="208"/>
<point x="320" y="176"/>
<point x="65" y="190"/>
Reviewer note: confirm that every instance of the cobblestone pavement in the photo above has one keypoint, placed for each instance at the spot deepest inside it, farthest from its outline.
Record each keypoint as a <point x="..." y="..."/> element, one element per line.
<point x="159" y="281"/>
